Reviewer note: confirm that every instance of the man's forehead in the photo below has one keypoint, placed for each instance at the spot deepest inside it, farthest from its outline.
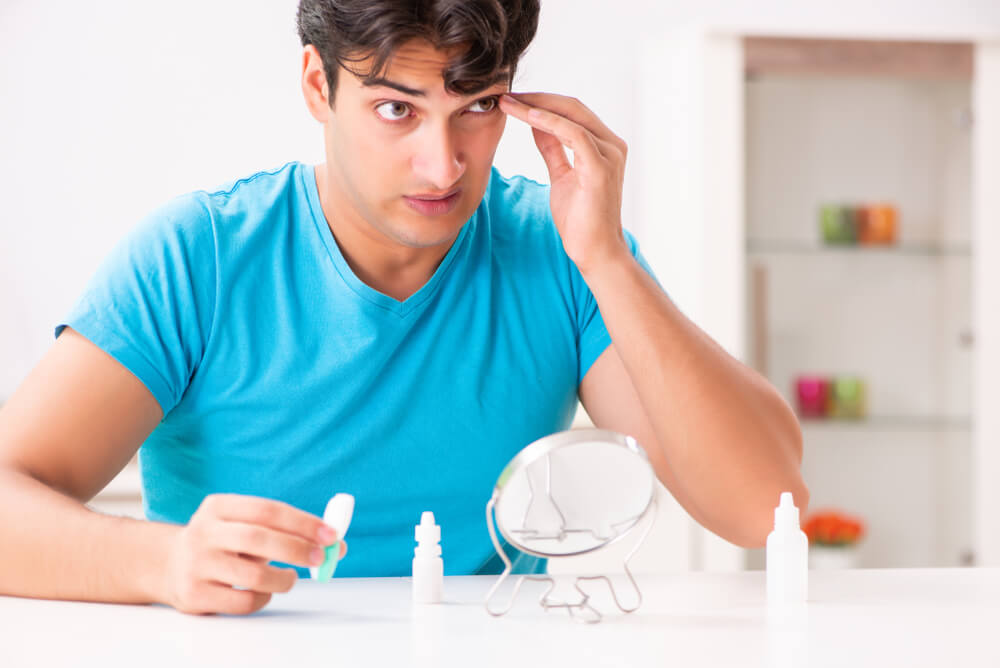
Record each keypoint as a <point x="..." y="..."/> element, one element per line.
<point x="415" y="70"/>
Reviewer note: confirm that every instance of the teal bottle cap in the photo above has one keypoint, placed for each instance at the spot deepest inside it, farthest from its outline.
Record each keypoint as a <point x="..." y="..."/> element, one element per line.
<point x="329" y="565"/>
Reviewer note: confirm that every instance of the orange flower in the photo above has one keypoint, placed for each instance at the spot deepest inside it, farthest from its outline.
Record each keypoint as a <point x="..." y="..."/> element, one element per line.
<point x="832" y="527"/>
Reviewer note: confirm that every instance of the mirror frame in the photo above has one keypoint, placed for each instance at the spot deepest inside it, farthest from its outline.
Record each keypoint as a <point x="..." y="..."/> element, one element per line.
<point x="548" y="444"/>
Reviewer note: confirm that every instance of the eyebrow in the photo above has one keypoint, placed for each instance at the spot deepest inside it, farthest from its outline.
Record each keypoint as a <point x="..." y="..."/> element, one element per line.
<point x="382" y="81"/>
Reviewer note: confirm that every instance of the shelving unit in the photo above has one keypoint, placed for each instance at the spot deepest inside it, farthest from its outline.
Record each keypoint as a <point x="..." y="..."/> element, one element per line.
<point x="752" y="129"/>
<point x="909" y="249"/>
<point x="843" y="121"/>
<point x="891" y="423"/>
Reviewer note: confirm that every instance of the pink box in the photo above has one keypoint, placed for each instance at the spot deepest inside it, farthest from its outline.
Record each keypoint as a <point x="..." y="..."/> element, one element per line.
<point x="812" y="393"/>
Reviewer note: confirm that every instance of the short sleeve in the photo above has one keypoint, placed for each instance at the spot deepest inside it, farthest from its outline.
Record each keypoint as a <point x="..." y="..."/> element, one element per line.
<point x="593" y="335"/>
<point x="151" y="303"/>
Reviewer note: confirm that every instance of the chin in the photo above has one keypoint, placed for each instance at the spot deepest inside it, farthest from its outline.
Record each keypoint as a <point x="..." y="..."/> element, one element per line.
<point x="422" y="238"/>
<point x="425" y="232"/>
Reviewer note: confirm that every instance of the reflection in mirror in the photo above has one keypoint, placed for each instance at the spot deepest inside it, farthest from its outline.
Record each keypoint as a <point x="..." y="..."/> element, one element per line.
<point x="568" y="494"/>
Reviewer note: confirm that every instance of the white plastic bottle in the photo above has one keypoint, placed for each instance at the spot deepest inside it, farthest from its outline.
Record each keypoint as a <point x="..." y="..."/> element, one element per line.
<point x="787" y="556"/>
<point x="337" y="515"/>
<point x="428" y="567"/>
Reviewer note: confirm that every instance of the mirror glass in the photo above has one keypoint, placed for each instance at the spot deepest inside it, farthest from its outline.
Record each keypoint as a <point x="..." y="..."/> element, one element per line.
<point x="573" y="492"/>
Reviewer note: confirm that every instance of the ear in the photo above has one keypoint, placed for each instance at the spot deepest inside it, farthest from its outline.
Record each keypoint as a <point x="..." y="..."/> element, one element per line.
<point x="314" y="86"/>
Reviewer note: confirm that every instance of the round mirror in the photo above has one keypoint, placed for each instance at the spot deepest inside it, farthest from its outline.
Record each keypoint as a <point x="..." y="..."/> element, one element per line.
<point x="573" y="492"/>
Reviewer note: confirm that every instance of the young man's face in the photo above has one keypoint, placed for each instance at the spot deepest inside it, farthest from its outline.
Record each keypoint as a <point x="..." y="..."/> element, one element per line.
<point x="385" y="146"/>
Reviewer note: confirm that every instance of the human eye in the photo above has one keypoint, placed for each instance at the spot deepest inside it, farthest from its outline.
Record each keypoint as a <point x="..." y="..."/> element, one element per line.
<point x="494" y="104"/>
<point x="394" y="106"/>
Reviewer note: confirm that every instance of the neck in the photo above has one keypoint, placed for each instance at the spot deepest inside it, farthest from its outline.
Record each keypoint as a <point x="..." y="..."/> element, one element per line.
<point x="380" y="262"/>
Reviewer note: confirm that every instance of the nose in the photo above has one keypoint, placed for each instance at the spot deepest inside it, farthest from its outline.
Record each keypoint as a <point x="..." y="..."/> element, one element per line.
<point x="438" y="162"/>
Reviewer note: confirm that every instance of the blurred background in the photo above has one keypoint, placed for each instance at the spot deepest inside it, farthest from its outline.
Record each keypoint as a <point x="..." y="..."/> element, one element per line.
<point x="813" y="183"/>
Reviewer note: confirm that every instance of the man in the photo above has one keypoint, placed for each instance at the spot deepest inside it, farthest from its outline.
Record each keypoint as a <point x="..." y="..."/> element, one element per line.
<point x="394" y="323"/>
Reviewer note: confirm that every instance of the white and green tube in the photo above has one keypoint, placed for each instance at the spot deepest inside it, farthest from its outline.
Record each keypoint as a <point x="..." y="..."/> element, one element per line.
<point x="337" y="515"/>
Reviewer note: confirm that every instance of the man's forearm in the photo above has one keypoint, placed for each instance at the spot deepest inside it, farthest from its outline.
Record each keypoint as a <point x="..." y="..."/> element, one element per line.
<point x="727" y="435"/>
<point x="52" y="546"/>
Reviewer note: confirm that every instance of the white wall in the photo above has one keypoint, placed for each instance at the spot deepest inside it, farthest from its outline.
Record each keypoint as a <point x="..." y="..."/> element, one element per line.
<point x="110" y="108"/>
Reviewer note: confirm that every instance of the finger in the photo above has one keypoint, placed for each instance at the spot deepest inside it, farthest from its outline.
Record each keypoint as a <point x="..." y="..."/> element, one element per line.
<point x="574" y="110"/>
<point x="571" y="134"/>
<point x="611" y="146"/>
<point x="228" y="601"/>
<point x="553" y="154"/>
<point x="269" y="513"/>
<point x="249" y="573"/>
<point x="263" y="560"/>
<point x="261" y="541"/>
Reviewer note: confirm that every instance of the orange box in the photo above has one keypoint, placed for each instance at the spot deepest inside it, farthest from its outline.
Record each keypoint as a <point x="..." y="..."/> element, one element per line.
<point x="878" y="224"/>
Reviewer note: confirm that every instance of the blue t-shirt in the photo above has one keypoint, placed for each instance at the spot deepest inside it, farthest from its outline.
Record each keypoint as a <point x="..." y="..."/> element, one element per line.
<point x="283" y="375"/>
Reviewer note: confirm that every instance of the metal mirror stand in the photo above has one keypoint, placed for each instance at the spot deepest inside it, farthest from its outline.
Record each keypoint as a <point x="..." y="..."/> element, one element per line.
<point x="581" y="610"/>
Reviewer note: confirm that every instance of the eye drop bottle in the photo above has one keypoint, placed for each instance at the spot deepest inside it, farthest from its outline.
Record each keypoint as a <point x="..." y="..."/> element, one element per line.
<point x="787" y="556"/>
<point x="428" y="567"/>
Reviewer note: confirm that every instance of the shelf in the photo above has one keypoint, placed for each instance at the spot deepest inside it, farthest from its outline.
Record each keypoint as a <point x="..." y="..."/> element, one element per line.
<point x="911" y="249"/>
<point x="891" y="423"/>
<point x="855" y="57"/>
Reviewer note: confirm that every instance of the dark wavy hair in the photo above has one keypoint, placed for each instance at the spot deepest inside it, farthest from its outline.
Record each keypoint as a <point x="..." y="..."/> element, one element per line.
<point x="491" y="36"/>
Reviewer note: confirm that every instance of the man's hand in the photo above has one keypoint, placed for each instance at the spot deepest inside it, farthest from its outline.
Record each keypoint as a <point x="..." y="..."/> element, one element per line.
<point x="229" y="542"/>
<point x="586" y="196"/>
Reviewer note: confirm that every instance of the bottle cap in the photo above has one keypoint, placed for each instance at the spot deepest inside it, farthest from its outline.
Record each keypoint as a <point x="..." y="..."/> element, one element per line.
<point x="786" y="515"/>
<point x="427" y="533"/>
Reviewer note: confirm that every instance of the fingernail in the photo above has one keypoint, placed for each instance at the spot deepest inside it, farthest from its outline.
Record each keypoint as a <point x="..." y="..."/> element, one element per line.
<point x="327" y="535"/>
<point x="316" y="557"/>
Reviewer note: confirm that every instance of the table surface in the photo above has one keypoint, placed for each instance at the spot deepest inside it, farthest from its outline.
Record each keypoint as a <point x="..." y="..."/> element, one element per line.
<point x="884" y="617"/>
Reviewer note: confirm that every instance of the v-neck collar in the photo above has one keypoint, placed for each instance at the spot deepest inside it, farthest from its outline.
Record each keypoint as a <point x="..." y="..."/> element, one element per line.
<point x="362" y="289"/>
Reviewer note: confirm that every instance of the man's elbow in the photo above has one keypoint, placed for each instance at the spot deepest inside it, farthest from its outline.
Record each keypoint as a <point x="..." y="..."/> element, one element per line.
<point x="759" y="522"/>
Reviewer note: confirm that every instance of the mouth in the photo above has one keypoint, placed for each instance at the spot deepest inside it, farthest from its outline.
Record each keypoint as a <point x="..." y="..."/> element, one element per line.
<point x="429" y="197"/>
<point x="434" y="205"/>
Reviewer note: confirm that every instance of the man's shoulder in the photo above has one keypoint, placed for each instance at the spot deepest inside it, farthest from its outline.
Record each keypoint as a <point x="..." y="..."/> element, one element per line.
<point x="230" y="210"/>
<point x="260" y="186"/>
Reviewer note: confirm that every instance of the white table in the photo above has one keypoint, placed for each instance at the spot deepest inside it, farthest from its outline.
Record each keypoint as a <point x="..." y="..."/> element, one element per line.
<point x="913" y="617"/>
